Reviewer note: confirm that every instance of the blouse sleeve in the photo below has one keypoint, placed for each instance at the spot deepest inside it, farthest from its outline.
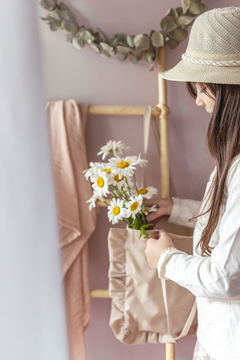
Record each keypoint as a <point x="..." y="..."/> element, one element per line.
<point x="182" y="211"/>
<point x="216" y="276"/>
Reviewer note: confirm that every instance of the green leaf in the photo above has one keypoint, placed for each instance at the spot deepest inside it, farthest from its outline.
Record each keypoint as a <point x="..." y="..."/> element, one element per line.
<point x="120" y="55"/>
<point x="179" y="10"/>
<point x="78" y="43"/>
<point x="196" y="7"/>
<point x="185" y="20"/>
<point x="66" y="15"/>
<point x="157" y="39"/>
<point x="180" y="34"/>
<point x="63" y="6"/>
<point x="107" y="49"/>
<point x="130" y="40"/>
<point x="54" y="15"/>
<point x="141" y="42"/>
<point x="185" y="5"/>
<point x="124" y="49"/>
<point x="172" y="44"/>
<point x="95" y="48"/>
<point x="69" y="27"/>
<point x="172" y="12"/>
<point x="120" y="39"/>
<point x="86" y="36"/>
<point x="48" y="4"/>
<point x="150" y="57"/>
<point x="168" y="23"/>
<point x="55" y="25"/>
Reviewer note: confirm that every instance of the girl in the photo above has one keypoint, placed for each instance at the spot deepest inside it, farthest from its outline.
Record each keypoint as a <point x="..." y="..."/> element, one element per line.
<point x="211" y="68"/>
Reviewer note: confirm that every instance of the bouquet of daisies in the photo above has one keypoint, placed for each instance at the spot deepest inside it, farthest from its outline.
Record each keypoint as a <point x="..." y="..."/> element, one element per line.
<point x="116" y="180"/>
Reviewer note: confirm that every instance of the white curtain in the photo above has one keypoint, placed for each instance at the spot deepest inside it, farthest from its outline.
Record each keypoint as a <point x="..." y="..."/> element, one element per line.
<point x="32" y="314"/>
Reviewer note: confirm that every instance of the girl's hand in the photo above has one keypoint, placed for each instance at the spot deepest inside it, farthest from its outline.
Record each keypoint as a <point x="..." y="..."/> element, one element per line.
<point x="155" y="248"/>
<point x="164" y="208"/>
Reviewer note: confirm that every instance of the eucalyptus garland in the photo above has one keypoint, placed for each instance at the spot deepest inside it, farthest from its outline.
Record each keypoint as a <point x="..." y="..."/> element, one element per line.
<point x="139" y="48"/>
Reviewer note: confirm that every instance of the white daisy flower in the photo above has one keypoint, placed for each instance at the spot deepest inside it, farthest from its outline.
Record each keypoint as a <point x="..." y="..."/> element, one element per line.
<point x="100" y="183"/>
<point x="112" y="146"/>
<point x="148" y="192"/>
<point x="133" y="206"/>
<point x="121" y="167"/>
<point x="148" y="210"/>
<point x="93" y="200"/>
<point x="121" y="182"/>
<point x="94" y="167"/>
<point x="116" y="210"/>
<point x="137" y="160"/>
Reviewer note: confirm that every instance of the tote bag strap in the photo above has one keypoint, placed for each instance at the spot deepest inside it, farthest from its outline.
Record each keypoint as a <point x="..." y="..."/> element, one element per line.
<point x="189" y="319"/>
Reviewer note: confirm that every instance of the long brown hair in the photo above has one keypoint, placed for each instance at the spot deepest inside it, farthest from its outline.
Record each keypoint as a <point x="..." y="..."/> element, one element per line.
<point x="223" y="138"/>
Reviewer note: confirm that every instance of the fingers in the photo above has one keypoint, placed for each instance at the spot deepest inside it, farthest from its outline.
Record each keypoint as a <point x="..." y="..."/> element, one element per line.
<point x="156" y="214"/>
<point x="151" y="202"/>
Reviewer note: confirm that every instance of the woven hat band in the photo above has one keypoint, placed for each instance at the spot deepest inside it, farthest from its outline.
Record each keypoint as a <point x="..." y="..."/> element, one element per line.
<point x="211" y="62"/>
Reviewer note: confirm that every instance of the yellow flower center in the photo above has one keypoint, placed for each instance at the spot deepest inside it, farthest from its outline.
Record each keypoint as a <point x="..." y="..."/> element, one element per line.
<point x="116" y="178"/>
<point x="134" y="206"/>
<point x="108" y="171"/>
<point x="142" y="191"/>
<point x="100" y="182"/>
<point x="123" y="164"/>
<point x="116" y="210"/>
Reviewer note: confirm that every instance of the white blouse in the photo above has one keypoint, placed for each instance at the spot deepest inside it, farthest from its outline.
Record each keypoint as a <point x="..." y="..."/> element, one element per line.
<point x="214" y="280"/>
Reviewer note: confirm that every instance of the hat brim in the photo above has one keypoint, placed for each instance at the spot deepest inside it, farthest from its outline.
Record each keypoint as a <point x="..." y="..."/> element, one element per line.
<point x="189" y="72"/>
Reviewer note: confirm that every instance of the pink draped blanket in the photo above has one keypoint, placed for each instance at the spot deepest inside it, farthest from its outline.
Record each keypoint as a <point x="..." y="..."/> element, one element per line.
<point x="67" y="126"/>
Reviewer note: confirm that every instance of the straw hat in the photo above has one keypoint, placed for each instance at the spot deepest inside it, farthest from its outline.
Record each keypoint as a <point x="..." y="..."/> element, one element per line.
<point x="213" y="51"/>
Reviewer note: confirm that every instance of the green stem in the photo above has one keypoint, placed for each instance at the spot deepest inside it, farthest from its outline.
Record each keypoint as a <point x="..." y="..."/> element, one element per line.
<point x="106" y="203"/>
<point x="128" y="186"/>
<point x="135" y="181"/>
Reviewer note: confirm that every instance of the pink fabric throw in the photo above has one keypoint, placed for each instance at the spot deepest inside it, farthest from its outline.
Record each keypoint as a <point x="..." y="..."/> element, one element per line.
<point x="67" y="125"/>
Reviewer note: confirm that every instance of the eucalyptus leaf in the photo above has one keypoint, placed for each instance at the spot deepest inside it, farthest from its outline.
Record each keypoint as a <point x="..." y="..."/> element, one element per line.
<point x="180" y="34"/>
<point x="54" y="15"/>
<point x="69" y="27"/>
<point x="48" y="4"/>
<point x="168" y="23"/>
<point x="185" y="5"/>
<point x="120" y="38"/>
<point x="172" y="44"/>
<point x="70" y="37"/>
<point x="66" y="15"/>
<point x="150" y="56"/>
<point x="187" y="27"/>
<point x="95" y="48"/>
<point x="157" y="39"/>
<point x="86" y="36"/>
<point x="102" y="33"/>
<point x="104" y="54"/>
<point x="133" y="59"/>
<point x="63" y="6"/>
<point x="179" y="10"/>
<point x="172" y="12"/>
<point x="136" y="53"/>
<point x="120" y="55"/>
<point x="124" y="49"/>
<point x="55" y="25"/>
<point x="107" y="49"/>
<point x="130" y="40"/>
<point x="185" y="20"/>
<point x="141" y="42"/>
<point x="195" y="7"/>
<point x="78" y="43"/>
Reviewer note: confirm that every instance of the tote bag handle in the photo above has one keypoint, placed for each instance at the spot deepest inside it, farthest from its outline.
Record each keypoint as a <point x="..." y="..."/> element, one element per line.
<point x="151" y="121"/>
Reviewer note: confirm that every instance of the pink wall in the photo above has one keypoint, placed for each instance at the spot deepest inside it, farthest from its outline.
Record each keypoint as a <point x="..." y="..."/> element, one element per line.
<point x="89" y="78"/>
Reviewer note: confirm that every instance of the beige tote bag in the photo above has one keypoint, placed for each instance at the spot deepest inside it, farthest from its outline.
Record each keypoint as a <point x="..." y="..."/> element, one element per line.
<point x="146" y="309"/>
